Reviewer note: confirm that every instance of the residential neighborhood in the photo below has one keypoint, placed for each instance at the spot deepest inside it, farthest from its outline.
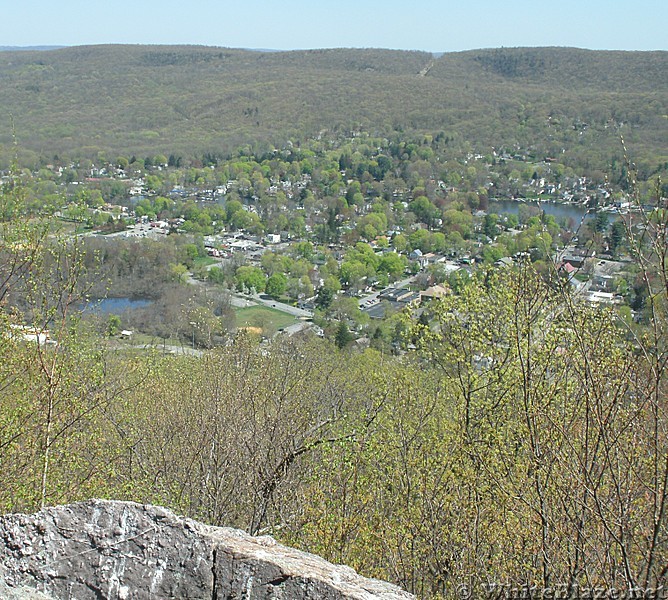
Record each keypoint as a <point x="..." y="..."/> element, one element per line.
<point x="310" y="235"/>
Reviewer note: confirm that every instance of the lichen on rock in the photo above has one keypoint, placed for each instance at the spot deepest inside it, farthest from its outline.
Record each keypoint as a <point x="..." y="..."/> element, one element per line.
<point x="127" y="551"/>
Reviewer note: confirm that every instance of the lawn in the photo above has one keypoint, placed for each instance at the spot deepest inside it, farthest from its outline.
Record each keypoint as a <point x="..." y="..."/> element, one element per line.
<point x="204" y="261"/>
<point x="269" y="319"/>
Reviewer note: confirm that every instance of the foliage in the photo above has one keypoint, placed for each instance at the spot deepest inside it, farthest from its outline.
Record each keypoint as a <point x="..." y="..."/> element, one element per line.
<point x="343" y="336"/>
<point x="276" y="285"/>
<point x="520" y="434"/>
<point x="250" y="278"/>
<point x="576" y="99"/>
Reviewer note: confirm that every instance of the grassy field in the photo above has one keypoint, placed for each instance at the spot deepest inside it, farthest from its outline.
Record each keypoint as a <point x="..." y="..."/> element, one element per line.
<point x="269" y="319"/>
<point x="204" y="261"/>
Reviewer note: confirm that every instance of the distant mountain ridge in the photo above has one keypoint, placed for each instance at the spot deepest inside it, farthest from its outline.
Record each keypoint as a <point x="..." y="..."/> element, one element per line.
<point x="29" y="48"/>
<point x="192" y="99"/>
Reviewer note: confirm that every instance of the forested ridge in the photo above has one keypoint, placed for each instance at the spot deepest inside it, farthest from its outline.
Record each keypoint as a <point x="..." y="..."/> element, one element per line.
<point x="83" y="101"/>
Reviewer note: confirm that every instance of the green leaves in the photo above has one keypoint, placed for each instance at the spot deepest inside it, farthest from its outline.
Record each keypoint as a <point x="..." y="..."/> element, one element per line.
<point x="250" y="278"/>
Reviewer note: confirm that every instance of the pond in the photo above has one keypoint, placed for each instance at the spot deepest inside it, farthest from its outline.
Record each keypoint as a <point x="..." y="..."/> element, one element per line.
<point x="116" y="306"/>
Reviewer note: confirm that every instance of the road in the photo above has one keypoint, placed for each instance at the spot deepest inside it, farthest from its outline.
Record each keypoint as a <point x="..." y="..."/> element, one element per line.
<point x="244" y="301"/>
<point x="286" y="308"/>
<point x="167" y="349"/>
<point x="239" y="301"/>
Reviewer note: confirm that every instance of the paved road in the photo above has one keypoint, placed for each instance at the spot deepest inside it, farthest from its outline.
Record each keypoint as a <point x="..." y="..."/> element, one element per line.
<point x="286" y="308"/>
<point x="244" y="301"/>
<point x="239" y="301"/>
<point x="167" y="349"/>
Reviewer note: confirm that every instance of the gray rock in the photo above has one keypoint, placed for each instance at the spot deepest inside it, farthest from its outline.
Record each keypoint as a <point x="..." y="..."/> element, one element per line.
<point x="125" y="551"/>
<point x="20" y="593"/>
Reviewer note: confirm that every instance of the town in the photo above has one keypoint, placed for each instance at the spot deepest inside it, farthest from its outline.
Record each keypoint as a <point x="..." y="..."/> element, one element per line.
<point x="305" y="228"/>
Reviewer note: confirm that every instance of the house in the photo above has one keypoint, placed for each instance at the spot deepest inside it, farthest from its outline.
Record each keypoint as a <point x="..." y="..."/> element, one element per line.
<point x="34" y="334"/>
<point x="363" y="342"/>
<point x="504" y="262"/>
<point x="567" y="269"/>
<point x="602" y="298"/>
<point x="577" y="257"/>
<point x="396" y="295"/>
<point x="418" y="257"/>
<point x="602" y="283"/>
<point x="431" y="259"/>
<point x="376" y="311"/>
<point x="434" y="292"/>
<point x="391" y="298"/>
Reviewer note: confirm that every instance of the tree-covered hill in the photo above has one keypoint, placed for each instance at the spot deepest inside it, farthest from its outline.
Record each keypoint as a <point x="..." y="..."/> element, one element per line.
<point x="147" y="99"/>
<point x="567" y="68"/>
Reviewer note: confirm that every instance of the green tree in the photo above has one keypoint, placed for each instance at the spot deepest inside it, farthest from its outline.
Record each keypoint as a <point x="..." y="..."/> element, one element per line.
<point x="490" y="228"/>
<point x="304" y="250"/>
<point x="232" y="207"/>
<point x="600" y="222"/>
<point x="188" y="253"/>
<point x="250" y="278"/>
<point x="617" y="237"/>
<point x="353" y="273"/>
<point x="424" y="210"/>
<point x="343" y="336"/>
<point x="324" y="297"/>
<point x="420" y="239"/>
<point x="400" y="242"/>
<point x="327" y="292"/>
<point x="113" y="325"/>
<point x="393" y="264"/>
<point x="276" y="285"/>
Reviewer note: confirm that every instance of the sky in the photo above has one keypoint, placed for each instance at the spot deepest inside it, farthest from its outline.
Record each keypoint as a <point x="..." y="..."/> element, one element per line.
<point x="431" y="25"/>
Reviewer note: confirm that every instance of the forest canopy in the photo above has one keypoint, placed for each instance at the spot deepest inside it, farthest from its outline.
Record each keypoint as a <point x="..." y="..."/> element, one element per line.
<point x="88" y="101"/>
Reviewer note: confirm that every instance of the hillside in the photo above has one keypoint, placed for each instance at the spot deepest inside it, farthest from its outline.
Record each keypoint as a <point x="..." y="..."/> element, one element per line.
<point x="186" y="99"/>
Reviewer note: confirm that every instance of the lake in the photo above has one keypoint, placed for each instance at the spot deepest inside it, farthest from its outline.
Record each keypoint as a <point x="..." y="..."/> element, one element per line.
<point x="116" y="306"/>
<point x="561" y="212"/>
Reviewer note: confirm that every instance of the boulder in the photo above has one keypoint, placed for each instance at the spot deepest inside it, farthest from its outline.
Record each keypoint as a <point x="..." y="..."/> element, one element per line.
<point x="113" y="550"/>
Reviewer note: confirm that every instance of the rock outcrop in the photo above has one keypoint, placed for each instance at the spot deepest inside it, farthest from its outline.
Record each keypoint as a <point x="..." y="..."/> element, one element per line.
<point x="126" y="551"/>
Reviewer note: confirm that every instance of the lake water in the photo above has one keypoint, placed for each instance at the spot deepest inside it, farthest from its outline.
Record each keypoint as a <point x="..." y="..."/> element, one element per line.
<point x="116" y="306"/>
<point x="561" y="212"/>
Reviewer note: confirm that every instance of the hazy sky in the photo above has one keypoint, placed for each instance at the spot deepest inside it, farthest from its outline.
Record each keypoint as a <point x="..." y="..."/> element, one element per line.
<point x="433" y="25"/>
